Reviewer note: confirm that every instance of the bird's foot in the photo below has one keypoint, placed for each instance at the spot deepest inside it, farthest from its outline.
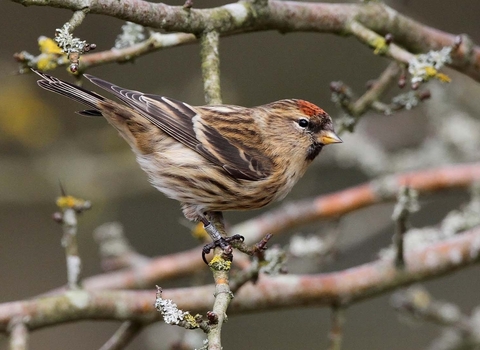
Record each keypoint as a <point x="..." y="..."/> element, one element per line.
<point x="223" y="243"/>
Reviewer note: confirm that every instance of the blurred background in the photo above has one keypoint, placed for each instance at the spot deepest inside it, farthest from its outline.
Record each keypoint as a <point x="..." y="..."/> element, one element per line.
<point x="43" y="142"/>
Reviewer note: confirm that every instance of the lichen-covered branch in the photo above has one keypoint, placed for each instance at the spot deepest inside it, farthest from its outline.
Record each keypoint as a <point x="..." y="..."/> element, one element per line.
<point x="356" y="109"/>
<point x="269" y="293"/>
<point x="115" y="251"/>
<point x="70" y="207"/>
<point x="407" y="203"/>
<point x="211" y="68"/>
<point x="378" y="42"/>
<point x="220" y="266"/>
<point x="157" y="41"/>
<point x="292" y="215"/>
<point x="343" y="202"/>
<point x="18" y="334"/>
<point x="284" y="16"/>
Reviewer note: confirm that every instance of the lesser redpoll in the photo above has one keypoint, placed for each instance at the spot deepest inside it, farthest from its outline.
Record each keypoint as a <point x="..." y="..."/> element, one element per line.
<point x="211" y="158"/>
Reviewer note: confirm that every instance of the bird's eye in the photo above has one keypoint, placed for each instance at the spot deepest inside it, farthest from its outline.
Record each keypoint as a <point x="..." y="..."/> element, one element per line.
<point x="303" y="123"/>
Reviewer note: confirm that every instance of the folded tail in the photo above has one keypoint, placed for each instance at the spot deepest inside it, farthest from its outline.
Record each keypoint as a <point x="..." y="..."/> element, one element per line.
<point x="77" y="93"/>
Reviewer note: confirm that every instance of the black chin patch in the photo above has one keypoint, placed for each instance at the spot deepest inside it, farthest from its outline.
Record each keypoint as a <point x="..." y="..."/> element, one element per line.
<point x="314" y="150"/>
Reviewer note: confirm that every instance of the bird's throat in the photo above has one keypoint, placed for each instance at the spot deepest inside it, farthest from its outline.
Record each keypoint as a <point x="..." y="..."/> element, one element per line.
<point x="313" y="151"/>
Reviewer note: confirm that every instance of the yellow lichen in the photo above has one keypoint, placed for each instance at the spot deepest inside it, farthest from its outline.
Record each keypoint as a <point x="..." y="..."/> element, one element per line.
<point x="50" y="53"/>
<point x="190" y="320"/>
<point x="46" y="62"/>
<point x="68" y="202"/>
<point x="431" y="72"/>
<point x="443" y="78"/>
<point x="220" y="264"/>
<point x="49" y="46"/>
<point x="380" y="46"/>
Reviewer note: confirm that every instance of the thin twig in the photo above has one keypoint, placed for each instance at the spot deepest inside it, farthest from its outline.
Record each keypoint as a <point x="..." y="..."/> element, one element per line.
<point x="269" y="293"/>
<point x="400" y="229"/>
<point x="346" y="201"/>
<point x="70" y="243"/>
<point x="115" y="250"/>
<point x="378" y="42"/>
<point x="70" y="207"/>
<point x="286" y="16"/>
<point x="459" y="331"/>
<point x="156" y="42"/>
<point x="220" y="266"/>
<point x="123" y="336"/>
<point x="77" y="18"/>
<point x="368" y="100"/>
<point x="18" y="334"/>
<point x="336" y="330"/>
<point x="406" y="204"/>
<point x="290" y="215"/>
<point x="384" y="81"/>
<point x="211" y="67"/>
<point x="417" y="302"/>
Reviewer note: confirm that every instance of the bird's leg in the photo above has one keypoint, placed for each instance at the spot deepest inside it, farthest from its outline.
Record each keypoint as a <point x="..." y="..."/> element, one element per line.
<point x="218" y="239"/>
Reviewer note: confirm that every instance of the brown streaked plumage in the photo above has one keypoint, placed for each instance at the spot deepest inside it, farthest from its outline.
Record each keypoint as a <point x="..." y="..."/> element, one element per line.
<point x="211" y="158"/>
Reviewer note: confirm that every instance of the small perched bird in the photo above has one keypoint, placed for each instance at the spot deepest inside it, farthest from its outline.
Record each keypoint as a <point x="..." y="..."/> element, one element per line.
<point x="211" y="158"/>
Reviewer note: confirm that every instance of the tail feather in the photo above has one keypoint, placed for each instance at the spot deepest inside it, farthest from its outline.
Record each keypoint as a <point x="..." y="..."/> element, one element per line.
<point x="122" y="94"/>
<point x="77" y="93"/>
<point x="128" y="122"/>
<point x="90" y="113"/>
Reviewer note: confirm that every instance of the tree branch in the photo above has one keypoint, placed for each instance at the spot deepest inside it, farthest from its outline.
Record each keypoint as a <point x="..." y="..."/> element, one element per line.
<point x="284" y="16"/>
<point x="288" y="216"/>
<point x="18" y="334"/>
<point x="269" y="293"/>
<point x="211" y="68"/>
<point x="123" y="336"/>
<point x="343" y="202"/>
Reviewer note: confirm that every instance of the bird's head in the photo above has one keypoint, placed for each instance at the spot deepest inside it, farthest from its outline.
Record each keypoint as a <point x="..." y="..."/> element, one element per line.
<point x="306" y="127"/>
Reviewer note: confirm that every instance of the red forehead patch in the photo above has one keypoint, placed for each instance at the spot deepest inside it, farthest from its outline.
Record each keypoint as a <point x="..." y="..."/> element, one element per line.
<point x="309" y="108"/>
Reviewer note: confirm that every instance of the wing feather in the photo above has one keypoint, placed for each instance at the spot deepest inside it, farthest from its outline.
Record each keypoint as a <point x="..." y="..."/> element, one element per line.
<point x="186" y="125"/>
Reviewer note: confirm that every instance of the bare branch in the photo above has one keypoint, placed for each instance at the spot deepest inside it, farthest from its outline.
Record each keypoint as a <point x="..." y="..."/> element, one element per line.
<point x="288" y="216"/>
<point x="115" y="250"/>
<point x="358" y="108"/>
<point x="336" y="330"/>
<point x="284" y="16"/>
<point x="407" y="203"/>
<point x="211" y="68"/>
<point x="70" y="207"/>
<point x="18" y="334"/>
<point x="269" y="293"/>
<point x="378" y="42"/>
<point x="220" y="266"/>
<point x="123" y="336"/>
<point x="157" y="41"/>
<point x="340" y="203"/>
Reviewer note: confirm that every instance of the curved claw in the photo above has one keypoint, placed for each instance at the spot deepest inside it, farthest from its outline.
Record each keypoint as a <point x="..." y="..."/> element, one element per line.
<point x="203" y="256"/>
<point x="206" y="249"/>
<point x="223" y="243"/>
<point x="236" y="237"/>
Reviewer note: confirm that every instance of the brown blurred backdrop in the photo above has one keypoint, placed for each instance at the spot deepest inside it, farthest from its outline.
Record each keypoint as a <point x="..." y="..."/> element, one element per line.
<point x="42" y="141"/>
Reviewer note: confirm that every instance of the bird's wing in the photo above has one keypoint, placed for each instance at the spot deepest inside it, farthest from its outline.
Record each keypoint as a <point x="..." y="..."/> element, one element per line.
<point x="199" y="132"/>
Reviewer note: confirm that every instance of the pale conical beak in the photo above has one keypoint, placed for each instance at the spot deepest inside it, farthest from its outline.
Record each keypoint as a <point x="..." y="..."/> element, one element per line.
<point x="327" y="137"/>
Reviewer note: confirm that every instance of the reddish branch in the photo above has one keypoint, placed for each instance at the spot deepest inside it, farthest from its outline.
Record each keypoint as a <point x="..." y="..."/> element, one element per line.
<point x="346" y="201"/>
<point x="284" y="16"/>
<point x="160" y="269"/>
<point x="292" y="215"/>
<point x="269" y="293"/>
